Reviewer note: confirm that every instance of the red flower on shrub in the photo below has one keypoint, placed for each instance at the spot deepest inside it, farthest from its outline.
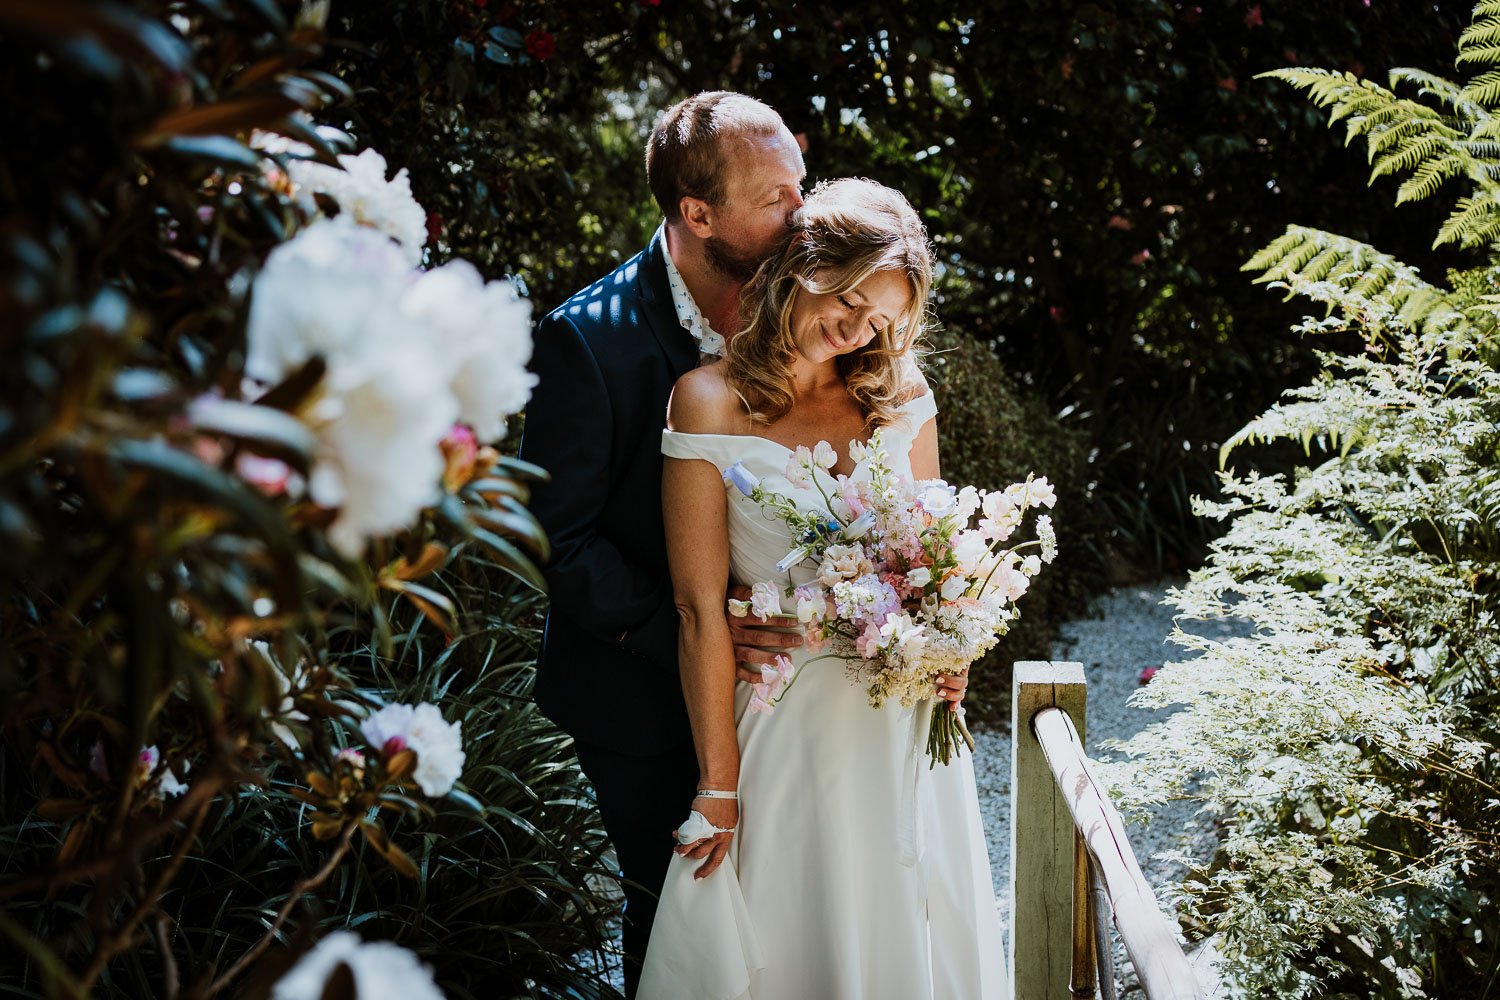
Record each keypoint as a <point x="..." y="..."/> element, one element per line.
<point x="650" y="3"/>
<point x="540" y="44"/>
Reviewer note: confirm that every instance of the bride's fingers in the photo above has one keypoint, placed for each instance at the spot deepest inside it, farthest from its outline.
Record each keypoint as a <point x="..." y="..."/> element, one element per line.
<point x="715" y="858"/>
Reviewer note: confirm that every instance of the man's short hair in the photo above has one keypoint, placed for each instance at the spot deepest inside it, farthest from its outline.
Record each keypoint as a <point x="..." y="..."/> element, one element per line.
<point x="685" y="154"/>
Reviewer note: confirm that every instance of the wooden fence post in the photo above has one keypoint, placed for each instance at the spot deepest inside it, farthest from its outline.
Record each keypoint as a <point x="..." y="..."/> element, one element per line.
<point x="1041" y="836"/>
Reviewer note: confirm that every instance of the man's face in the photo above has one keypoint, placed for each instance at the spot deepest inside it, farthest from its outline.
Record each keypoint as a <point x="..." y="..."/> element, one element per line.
<point x="762" y="189"/>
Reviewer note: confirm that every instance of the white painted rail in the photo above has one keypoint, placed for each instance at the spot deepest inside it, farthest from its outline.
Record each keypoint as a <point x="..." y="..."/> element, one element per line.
<point x="1059" y="809"/>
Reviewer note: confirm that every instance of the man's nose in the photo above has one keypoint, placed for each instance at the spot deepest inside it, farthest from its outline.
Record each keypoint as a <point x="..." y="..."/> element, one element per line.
<point x="795" y="204"/>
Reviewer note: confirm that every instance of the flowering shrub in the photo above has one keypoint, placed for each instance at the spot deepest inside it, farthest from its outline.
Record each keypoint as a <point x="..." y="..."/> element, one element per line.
<point x="247" y="492"/>
<point x="1350" y="745"/>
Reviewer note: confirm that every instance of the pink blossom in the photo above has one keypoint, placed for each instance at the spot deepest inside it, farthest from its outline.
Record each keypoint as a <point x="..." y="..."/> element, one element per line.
<point x="868" y="643"/>
<point x="269" y="475"/>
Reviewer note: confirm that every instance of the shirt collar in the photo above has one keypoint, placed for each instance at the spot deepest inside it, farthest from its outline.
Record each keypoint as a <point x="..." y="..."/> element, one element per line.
<point x="688" y="314"/>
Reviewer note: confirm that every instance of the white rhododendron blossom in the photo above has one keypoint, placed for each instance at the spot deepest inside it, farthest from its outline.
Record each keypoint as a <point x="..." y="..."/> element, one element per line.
<point x="379" y="421"/>
<point x="422" y="729"/>
<point x="365" y="195"/>
<point x="381" y="970"/>
<point x="330" y="291"/>
<point x="483" y="330"/>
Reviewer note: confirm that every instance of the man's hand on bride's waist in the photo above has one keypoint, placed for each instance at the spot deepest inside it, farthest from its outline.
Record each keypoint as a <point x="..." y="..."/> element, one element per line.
<point x="757" y="643"/>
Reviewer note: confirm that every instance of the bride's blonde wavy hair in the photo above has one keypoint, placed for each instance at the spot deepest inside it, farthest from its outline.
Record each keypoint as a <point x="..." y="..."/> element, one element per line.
<point x="847" y="230"/>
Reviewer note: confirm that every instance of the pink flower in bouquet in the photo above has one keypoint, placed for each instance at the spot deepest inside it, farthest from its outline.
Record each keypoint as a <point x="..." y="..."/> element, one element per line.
<point x="1010" y="582"/>
<point x="759" y="705"/>
<point x="868" y="642"/>
<point x="764" y="601"/>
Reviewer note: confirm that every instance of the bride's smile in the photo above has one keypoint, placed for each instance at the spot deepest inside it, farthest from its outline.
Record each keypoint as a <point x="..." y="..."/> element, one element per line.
<point x="829" y="324"/>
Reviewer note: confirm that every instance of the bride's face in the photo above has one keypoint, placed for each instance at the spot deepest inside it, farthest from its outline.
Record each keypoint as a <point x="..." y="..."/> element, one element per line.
<point x="825" y="326"/>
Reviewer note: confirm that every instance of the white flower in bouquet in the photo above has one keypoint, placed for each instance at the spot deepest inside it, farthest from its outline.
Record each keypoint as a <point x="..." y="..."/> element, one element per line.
<point x="1047" y="536"/>
<point x="968" y="502"/>
<point x="824" y="456"/>
<point x="483" y="331"/>
<point x="937" y="498"/>
<point x="379" y="421"/>
<point x="954" y="586"/>
<point x="422" y="729"/>
<point x="330" y="291"/>
<point x="969" y="549"/>
<point x="1002" y="515"/>
<point x="381" y="971"/>
<point x="1035" y="492"/>
<point x="364" y="194"/>
<point x="811" y="604"/>
<point x="907" y="640"/>
<point x="765" y="601"/>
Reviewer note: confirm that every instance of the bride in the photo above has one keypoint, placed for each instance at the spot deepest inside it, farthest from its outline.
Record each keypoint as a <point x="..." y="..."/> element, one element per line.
<point x="823" y="859"/>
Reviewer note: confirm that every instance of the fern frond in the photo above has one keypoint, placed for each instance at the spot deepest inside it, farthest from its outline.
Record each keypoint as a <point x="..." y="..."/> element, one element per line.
<point x="1309" y="261"/>
<point x="1486" y="55"/>
<point x="1429" y="176"/>
<point x="1304" y="422"/>
<point x="1470" y="222"/>
<point x="1483" y="90"/>
<point x="1462" y="100"/>
<point x="1480" y="41"/>
<point x="1411" y="154"/>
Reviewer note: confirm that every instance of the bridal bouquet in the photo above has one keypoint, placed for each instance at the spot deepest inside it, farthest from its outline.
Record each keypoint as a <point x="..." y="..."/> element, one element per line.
<point x="908" y="587"/>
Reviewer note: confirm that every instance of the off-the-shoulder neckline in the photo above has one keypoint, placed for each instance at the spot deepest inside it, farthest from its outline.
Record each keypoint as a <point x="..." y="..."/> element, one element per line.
<point x="778" y="444"/>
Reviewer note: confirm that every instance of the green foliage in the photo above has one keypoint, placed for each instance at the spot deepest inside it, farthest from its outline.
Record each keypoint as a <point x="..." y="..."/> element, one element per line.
<point x="1349" y="744"/>
<point x="1089" y="172"/>
<point x="158" y="596"/>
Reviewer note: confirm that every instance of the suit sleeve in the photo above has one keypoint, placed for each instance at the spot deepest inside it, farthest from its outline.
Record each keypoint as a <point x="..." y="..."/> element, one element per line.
<point x="568" y="433"/>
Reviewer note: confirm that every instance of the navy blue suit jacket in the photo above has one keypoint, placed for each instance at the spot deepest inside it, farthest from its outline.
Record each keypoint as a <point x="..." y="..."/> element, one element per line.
<point x="606" y="360"/>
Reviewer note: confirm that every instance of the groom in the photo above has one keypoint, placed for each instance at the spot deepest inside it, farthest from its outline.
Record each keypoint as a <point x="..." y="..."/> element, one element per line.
<point x="727" y="174"/>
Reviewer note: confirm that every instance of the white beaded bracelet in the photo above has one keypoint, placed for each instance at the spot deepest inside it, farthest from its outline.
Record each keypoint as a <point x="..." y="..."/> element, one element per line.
<point x="710" y="793"/>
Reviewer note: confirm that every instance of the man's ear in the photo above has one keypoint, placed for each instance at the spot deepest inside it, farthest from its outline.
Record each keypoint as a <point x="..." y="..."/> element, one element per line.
<point x="698" y="216"/>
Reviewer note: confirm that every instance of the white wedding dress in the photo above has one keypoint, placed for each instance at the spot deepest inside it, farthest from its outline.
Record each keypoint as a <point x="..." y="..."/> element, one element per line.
<point x="856" y="873"/>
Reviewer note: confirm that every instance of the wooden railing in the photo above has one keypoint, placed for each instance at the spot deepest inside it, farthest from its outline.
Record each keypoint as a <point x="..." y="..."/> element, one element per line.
<point x="1065" y="837"/>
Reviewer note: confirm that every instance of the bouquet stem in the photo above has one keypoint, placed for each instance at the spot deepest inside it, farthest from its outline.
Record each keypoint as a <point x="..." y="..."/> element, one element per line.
<point x="947" y="735"/>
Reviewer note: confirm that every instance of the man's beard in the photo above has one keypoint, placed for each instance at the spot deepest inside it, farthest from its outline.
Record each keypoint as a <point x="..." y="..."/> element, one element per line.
<point x="729" y="260"/>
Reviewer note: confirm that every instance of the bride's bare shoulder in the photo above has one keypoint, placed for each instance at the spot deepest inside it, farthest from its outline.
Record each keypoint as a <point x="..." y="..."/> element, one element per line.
<point x="703" y="402"/>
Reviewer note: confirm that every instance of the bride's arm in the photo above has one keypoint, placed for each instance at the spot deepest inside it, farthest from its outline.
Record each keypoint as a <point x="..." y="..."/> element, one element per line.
<point x="694" y="508"/>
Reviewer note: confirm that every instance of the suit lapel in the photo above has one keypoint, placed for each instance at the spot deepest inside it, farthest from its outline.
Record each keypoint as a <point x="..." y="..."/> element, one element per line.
<point x="656" y="298"/>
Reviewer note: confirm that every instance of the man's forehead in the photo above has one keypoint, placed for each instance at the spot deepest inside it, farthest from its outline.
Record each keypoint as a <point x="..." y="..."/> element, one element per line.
<point x="763" y="153"/>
